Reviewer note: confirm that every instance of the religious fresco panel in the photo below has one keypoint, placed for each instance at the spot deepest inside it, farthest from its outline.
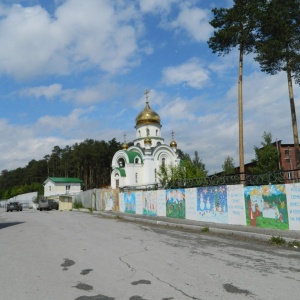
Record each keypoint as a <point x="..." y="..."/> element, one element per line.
<point x="150" y="203"/>
<point x="266" y="206"/>
<point x="175" y="203"/>
<point x="110" y="199"/>
<point x="129" y="202"/>
<point x="212" y="204"/>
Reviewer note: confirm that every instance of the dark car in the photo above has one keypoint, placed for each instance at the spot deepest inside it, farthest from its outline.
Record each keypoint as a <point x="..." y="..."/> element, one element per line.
<point x="45" y="204"/>
<point x="53" y="204"/>
<point x="14" y="206"/>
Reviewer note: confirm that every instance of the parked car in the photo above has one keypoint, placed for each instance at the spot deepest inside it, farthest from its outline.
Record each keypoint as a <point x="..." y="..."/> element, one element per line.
<point x="45" y="204"/>
<point x="53" y="204"/>
<point x="14" y="206"/>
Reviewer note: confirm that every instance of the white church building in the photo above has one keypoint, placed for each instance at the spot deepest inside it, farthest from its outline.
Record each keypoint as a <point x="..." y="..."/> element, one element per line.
<point x="138" y="164"/>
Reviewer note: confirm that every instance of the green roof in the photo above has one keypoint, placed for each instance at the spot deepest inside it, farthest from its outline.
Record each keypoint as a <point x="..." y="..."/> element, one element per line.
<point x="122" y="172"/>
<point x="65" y="180"/>
<point x="132" y="155"/>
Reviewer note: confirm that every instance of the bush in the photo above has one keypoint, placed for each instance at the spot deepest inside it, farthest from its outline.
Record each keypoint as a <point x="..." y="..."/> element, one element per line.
<point x="77" y="205"/>
<point x="277" y="240"/>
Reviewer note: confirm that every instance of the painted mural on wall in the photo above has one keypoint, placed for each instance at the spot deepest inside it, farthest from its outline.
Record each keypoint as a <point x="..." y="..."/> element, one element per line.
<point x="175" y="203"/>
<point x="150" y="203"/>
<point x="129" y="202"/>
<point x="266" y="206"/>
<point x="212" y="204"/>
<point x="110" y="200"/>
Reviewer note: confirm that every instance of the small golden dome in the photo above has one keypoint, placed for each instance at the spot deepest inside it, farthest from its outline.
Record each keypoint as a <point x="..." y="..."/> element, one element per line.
<point x="124" y="146"/>
<point x="173" y="144"/>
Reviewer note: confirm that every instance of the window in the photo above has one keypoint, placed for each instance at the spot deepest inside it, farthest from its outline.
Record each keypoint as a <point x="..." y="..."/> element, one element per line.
<point x="287" y="152"/>
<point x="155" y="174"/>
<point x="288" y="161"/>
<point x="49" y="188"/>
<point x="147" y="131"/>
<point x="117" y="183"/>
<point x="136" y="161"/>
<point x="136" y="177"/>
<point x="121" y="162"/>
<point x="156" y="132"/>
<point x="139" y="133"/>
<point x="163" y="161"/>
<point x="68" y="188"/>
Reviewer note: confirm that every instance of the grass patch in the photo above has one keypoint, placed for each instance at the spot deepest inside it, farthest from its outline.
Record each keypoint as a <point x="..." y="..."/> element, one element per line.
<point x="277" y="240"/>
<point x="205" y="229"/>
<point x="294" y="244"/>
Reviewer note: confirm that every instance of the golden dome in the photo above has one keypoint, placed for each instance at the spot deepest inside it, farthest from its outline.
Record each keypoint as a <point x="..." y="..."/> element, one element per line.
<point x="173" y="144"/>
<point x="147" y="116"/>
<point x="124" y="146"/>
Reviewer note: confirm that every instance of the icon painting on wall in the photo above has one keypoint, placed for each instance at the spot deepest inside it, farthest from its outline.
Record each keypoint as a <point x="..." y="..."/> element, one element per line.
<point x="150" y="203"/>
<point x="130" y="202"/>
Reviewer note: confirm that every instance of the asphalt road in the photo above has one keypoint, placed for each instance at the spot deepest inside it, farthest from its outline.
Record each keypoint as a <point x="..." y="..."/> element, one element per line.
<point x="76" y="255"/>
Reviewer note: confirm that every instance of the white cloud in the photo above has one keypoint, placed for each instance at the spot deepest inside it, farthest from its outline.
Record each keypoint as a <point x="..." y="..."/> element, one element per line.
<point x="194" y="21"/>
<point x="35" y="43"/>
<point x="191" y="73"/>
<point x="48" y="92"/>
<point x="75" y="121"/>
<point x="156" y="5"/>
<point x="21" y="144"/>
<point x="103" y="91"/>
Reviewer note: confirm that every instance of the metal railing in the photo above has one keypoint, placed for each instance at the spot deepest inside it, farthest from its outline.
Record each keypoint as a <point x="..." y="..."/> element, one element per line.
<point x="276" y="177"/>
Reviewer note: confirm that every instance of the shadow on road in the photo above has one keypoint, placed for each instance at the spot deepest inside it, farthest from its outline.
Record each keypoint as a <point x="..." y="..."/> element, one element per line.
<point x="8" y="224"/>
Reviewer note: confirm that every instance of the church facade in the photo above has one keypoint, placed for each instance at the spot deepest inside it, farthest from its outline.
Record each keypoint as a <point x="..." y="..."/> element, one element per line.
<point x="138" y="165"/>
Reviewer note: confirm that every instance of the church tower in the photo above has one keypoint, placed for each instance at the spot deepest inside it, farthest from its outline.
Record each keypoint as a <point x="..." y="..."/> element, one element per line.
<point x="138" y="164"/>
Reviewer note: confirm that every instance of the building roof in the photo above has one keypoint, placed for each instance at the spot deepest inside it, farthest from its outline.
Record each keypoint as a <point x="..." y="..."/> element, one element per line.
<point x="64" y="180"/>
<point x="132" y="155"/>
<point x="122" y="172"/>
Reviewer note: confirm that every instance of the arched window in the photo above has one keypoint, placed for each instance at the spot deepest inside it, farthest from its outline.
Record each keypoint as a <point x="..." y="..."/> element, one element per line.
<point x="163" y="161"/>
<point x="138" y="144"/>
<point x="147" y="131"/>
<point x="139" y="133"/>
<point x="121" y="162"/>
<point x="156" y="132"/>
<point x="136" y="161"/>
<point x="136" y="177"/>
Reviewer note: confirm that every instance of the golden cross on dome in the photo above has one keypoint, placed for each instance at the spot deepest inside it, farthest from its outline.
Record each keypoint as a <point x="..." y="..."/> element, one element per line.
<point x="147" y="95"/>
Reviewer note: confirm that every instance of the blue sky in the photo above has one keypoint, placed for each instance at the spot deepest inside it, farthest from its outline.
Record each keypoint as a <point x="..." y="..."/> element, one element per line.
<point x="73" y="69"/>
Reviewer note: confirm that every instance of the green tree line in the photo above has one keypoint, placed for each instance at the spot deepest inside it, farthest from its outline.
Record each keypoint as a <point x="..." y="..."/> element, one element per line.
<point x="89" y="161"/>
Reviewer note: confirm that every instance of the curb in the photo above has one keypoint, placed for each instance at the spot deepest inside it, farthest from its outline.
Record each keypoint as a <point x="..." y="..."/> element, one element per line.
<point x="199" y="228"/>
